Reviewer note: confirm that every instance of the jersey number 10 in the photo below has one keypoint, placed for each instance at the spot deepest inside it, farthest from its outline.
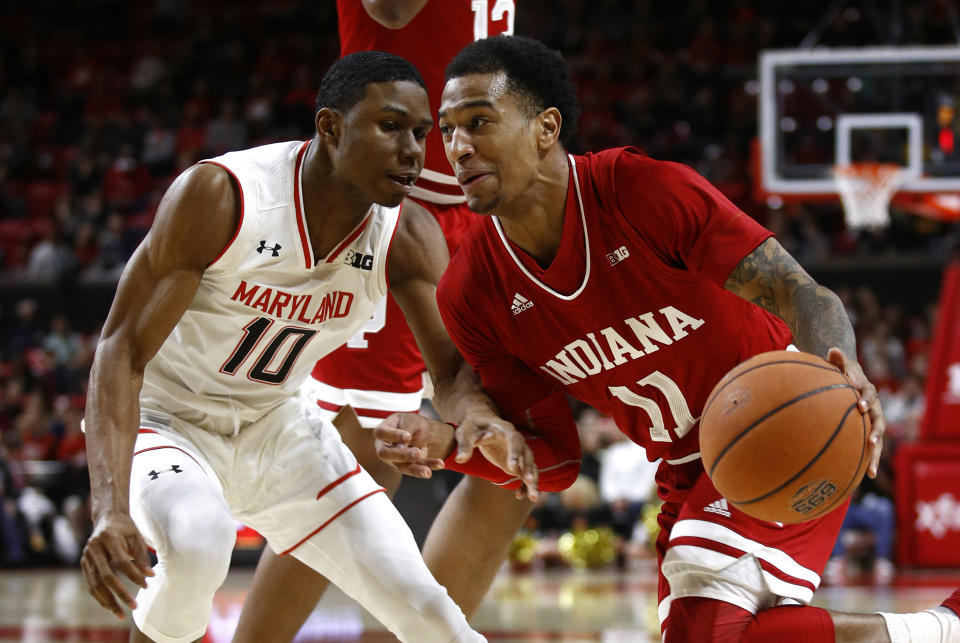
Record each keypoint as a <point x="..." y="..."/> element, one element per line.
<point x="268" y="369"/>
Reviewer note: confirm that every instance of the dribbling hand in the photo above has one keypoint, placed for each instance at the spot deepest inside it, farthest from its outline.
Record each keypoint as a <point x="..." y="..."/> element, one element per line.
<point x="869" y="403"/>
<point x="115" y="546"/>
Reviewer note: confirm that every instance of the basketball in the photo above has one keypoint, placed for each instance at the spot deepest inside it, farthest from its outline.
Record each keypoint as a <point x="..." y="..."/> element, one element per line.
<point x="781" y="437"/>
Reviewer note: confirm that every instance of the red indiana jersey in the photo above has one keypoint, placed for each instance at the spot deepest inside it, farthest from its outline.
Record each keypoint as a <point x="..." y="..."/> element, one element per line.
<point x="435" y="35"/>
<point x="631" y="317"/>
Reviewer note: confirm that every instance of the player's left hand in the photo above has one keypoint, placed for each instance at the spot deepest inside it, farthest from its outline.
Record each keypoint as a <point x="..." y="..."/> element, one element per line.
<point x="407" y="441"/>
<point x="869" y="404"/>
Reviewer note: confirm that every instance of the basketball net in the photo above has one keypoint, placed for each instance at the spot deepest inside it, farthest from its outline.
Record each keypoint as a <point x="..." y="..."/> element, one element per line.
<point x="865" y="190"/>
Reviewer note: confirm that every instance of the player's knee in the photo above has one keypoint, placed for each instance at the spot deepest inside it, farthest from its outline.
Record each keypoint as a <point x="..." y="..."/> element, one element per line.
<point x="199" y="545"/>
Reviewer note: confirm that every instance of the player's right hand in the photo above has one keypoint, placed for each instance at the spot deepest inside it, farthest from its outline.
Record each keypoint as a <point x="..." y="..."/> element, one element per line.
<point x="408" y="440"/>
<point x="115" y="546"/>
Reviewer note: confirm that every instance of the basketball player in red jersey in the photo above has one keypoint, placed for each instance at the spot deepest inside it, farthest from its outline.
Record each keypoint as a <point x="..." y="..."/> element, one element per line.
<point x="634" y="285"/>
<point x="380" y="370"/>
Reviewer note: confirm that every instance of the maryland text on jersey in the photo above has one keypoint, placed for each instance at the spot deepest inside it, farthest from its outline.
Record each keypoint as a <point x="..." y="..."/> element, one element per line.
<point x="584" y="357"/>
<point x="285" y="305"/>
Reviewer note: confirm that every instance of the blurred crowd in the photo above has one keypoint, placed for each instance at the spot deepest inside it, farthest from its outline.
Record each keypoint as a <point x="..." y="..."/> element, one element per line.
<point x="44" y="489"/>
<point x="103" y="103"/>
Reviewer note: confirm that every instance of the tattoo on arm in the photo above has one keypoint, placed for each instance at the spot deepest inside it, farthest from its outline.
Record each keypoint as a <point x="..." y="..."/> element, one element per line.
<point x="772" y="279"/>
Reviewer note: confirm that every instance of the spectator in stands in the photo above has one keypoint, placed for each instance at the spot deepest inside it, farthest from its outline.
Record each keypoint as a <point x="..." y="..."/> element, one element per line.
<point x="12" y="545"/>
<point x="51" y="257"/>
<point x="113" y="247"/>
<point x="24" y="332"/>
<point x="626" y="483"/>
<point x="227" y="132"/>
<point x="869" y="526"/>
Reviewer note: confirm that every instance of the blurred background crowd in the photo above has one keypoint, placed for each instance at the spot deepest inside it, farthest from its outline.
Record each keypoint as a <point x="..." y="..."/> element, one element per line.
<point x="103" y="103"/>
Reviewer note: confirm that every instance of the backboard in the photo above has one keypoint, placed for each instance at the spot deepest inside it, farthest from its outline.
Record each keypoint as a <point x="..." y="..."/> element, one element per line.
<point x="826" y="107"/>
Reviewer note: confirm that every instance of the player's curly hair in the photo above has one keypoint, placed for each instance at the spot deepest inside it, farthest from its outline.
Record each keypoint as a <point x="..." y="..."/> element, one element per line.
<point x="534" y="72"/>
<point x="345" y="83"/>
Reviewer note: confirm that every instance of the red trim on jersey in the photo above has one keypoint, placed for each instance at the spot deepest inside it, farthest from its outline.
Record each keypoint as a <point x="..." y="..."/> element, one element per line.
<point x="331" y="519"/>
<point x="377" y="413"/>
<point x="301" y="220"/>
<point x="168" y="446"/>
<point x="722" y="548"/>
<point x="338" y="481"/>
<point x="140" y="431"/>
<point x="239" y="223"/>
<point x="393" y="235"/>
<point x="350" y="238"/>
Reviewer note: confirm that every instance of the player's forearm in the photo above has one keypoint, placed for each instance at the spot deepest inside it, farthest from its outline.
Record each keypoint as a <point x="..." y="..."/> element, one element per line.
<point x="457" y="396"/>
<point x="557" y="467"/>
<point x="111" y="427"/>
<point x="772" y="279"/>
<point x="819" y="322"/>
<point x="550" y="432"/>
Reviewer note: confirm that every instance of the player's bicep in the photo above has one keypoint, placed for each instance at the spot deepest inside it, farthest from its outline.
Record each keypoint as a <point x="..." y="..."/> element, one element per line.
<point x="194" y="222"/>
<point x="771" y="278"/>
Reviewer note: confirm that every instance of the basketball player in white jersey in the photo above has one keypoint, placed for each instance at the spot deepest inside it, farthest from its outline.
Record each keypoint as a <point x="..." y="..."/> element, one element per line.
<point x="260" y="262"/>
<point x="378" y="371"/>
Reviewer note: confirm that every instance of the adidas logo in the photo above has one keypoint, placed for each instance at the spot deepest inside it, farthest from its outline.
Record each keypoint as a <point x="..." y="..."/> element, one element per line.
<point x="718" y="507"/>
<point x="520" y="304"/>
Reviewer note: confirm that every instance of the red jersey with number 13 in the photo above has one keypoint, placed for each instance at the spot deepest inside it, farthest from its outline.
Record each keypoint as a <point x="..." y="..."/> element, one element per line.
<point x="631" y="316"/>
<point x="435" y="35"/>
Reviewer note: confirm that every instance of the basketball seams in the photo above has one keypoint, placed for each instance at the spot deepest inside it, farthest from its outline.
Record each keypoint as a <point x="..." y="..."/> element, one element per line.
<point x="813" y="460"/>
<point x="772" y="412"/>
<point x="800" y="457"/>
<point x="723" y="385"/>
<point x="857" y="473"/>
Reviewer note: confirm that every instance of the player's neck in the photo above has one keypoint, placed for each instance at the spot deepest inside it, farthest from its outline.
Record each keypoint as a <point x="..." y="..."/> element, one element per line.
<point x="331" y="208"/>
<point x="534" y="221"/>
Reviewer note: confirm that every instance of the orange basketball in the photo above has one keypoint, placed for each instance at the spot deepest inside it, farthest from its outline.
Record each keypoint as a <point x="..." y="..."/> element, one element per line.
<point x="782" y="438"/>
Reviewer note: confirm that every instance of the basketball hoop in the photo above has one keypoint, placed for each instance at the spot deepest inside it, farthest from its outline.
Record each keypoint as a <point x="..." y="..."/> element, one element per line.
<point x="865" y="190"/>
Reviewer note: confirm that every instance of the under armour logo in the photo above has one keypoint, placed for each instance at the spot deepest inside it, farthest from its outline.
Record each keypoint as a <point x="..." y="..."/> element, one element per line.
<point x="275" y="249"/>
<point x="156" y="474"/>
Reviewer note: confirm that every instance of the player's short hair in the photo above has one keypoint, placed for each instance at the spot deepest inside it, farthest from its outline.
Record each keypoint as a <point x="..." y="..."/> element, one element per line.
<point x="345" y="83"/>
<point x="538" y="75"/>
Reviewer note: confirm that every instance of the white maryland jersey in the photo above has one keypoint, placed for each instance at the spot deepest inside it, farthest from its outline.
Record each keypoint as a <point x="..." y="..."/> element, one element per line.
<point x="267" y="309"/>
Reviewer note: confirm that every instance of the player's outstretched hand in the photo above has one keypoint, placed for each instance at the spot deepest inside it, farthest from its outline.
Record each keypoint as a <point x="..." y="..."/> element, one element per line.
<point x="407" y="441"/>
<point x="115" y="546"/>
<point x="869" y="403"/>
<point x="501" y="444"/>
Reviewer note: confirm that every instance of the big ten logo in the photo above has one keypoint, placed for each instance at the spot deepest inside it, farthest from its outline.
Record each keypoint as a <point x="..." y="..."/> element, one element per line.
<point x="618" y="255"/>
<point x="358" y="260"/>
<point x="812" y="495"/>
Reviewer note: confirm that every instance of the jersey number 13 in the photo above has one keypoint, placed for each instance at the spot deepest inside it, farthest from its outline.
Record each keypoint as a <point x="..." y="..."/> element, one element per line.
<point x="483" y="14"/>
